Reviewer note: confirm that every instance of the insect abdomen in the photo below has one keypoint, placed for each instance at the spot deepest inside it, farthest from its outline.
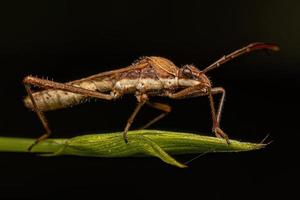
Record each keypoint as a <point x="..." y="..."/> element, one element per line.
<point x="51" y="99"/>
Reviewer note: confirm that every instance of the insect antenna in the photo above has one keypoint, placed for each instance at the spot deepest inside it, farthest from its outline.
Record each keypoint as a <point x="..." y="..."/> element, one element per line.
<point x="247" y="49"/>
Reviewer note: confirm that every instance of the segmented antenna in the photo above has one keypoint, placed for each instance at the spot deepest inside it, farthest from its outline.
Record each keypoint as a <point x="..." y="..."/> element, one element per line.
<point x="251" y="47"/>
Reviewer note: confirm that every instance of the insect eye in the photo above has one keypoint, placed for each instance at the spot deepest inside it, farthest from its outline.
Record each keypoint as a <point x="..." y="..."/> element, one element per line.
<point x="187" y="72"/>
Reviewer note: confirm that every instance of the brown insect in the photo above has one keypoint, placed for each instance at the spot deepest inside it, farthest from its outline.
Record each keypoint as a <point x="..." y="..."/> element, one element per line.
<point x="149" y="76"/>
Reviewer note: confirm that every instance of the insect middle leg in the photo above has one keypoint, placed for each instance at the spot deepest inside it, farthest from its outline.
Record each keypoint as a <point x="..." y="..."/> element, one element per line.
<point x="46" y="84"/>
<point x="159" y="106"/>
<point x="142" y="99"/>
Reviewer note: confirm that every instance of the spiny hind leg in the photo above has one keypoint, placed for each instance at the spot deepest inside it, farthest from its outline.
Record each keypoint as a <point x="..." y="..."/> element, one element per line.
<point x="46" y="84"/>
<point x="41" y="116"/>
<point x="159" y="106"/>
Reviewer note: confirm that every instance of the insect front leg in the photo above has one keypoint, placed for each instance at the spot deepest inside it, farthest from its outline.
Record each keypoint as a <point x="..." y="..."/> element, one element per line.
<point x="159" y="106"/>
<point x="193" y="91"/>
<point x="46" y="84"/>
<point x="216" y="116"/>
<point x="199" y="90"/>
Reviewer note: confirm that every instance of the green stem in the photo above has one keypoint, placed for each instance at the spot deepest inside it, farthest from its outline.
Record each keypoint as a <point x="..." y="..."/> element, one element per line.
<point x="141" y="143"/>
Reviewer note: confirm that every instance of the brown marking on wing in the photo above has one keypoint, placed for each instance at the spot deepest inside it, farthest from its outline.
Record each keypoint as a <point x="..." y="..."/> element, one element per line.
<point x="149" y="72"/>
<point x="131" y="74"/>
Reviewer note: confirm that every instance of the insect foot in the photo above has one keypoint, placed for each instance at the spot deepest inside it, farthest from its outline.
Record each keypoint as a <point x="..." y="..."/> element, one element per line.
<point x="220" y="134"/>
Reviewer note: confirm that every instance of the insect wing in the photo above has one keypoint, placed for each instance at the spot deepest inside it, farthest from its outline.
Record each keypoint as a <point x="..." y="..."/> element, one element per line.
<point x="163" y="64"/>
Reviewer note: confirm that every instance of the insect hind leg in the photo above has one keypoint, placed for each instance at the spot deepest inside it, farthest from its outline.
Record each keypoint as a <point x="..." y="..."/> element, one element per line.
<point x="46" y="84"/>
<point x="41" y="116"/>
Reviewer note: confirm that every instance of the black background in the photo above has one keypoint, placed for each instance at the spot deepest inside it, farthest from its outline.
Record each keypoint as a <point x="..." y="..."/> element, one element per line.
<point x="67" y="40"/>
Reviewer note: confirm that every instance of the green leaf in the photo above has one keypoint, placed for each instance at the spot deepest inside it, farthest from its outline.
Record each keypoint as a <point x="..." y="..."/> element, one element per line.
<point x="141" y="143"/>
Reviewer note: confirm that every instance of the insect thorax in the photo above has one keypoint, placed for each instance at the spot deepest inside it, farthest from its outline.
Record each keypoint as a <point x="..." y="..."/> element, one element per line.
<point x="149" y="80"/>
